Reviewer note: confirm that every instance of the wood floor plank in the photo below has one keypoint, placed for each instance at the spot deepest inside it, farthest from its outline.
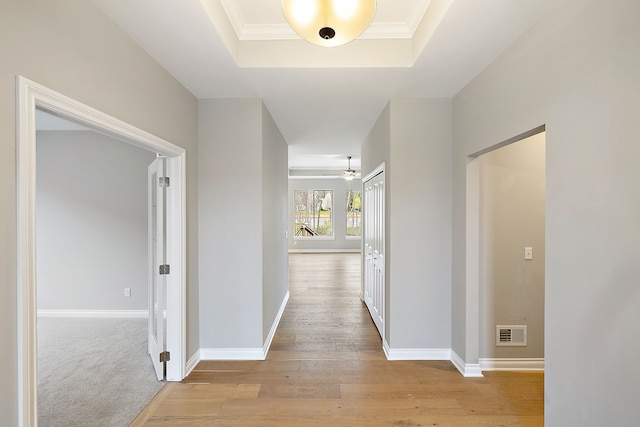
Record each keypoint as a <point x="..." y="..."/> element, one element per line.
<point x="316" y="391"/>
<point x="326" y="367"/>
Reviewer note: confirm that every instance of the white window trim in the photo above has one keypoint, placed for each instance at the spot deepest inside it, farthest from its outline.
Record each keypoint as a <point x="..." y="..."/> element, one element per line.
<point x="347" y="237"/>
<point x="314" y="238"/>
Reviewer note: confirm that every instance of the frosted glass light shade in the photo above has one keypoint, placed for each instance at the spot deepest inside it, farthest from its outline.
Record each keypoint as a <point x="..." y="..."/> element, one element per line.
<point x="329" y="23"/>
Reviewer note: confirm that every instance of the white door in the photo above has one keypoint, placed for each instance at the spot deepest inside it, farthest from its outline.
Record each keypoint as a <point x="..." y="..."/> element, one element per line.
<point x="374" y="254"/>
<point x="157" y="264"/>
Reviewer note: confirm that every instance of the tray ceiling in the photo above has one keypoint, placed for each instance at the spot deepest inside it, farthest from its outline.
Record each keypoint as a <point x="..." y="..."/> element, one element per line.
<point x="257" y="35"/>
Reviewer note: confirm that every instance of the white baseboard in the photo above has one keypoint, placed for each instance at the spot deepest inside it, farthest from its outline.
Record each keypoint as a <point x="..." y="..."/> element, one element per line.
<point x="468" y="370"/>
<point x="276" y="322"/>
<point x="101" y="314"/>
<point x="232" y="354"/>
<point x="321" y="251"/>
<point x="512" y="364"/>
<point x="192" y="363"/>
<point x="238" y="353"/>
<point x="416" y="353"/>
<point x="385" y="346"/>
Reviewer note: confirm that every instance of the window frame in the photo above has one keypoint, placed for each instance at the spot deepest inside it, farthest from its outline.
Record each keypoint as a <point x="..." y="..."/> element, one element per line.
<point x="331" y="215"/>
<point x="347" y="197"/>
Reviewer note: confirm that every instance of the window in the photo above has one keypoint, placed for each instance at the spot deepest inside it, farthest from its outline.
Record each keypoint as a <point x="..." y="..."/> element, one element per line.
<point x="312" y="210"/>
<point x="354" y="214"/>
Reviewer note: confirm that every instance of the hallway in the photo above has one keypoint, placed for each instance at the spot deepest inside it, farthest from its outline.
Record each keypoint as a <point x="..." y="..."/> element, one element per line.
<point x="326" y="367"/>
<point x="325" y="319"/>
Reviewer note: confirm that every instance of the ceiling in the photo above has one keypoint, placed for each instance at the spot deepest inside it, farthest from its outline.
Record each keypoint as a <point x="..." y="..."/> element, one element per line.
<point x="324" y="100"/>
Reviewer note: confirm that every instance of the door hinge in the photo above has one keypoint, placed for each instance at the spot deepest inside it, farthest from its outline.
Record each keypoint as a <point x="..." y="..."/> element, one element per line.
<point x="165" y="356"/>
<point x="164" y="181"/>
<point x="165" y="269"/>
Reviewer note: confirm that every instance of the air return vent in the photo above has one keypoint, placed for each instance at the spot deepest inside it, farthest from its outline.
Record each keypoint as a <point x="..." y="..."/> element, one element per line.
<point x="511" y="335"/>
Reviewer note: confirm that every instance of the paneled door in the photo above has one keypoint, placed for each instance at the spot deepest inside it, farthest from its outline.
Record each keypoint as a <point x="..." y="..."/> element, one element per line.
<point x="373" y="245"/>
<point x="157" y="264"/>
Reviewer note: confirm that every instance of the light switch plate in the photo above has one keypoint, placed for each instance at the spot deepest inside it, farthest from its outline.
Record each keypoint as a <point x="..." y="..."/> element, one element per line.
<point x="528" y="253"/>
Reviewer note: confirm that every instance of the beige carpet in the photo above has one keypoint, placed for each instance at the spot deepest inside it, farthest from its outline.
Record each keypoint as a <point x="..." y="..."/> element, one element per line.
<point x="93" y="372"/>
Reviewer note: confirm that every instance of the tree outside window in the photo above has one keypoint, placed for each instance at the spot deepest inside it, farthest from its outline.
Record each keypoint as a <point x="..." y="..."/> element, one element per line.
<point x="354" y="214"/>
<point x="312" y="210"/>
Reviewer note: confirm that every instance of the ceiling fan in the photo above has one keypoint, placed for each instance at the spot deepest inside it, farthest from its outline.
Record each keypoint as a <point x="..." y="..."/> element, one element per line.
<point x="346" y="174"/>
<point x="349" y="174"/>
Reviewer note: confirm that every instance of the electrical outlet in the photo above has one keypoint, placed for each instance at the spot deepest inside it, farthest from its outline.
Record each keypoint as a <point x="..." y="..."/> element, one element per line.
<point x="127" y="292"/>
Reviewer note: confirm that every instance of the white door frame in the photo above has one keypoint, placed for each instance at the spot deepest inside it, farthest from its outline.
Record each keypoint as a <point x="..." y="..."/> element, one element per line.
<point x="157" y="250"/>
<point x="380" y="169"/>
<point x="29" y="96"/>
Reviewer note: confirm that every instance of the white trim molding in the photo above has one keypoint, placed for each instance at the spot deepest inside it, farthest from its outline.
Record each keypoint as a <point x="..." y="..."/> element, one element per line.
<point x="380" y="168"/>
<point x="324" y="251"/>
<point x="417" y="353"/>
<point x="238" y="353"/>
<point x="512" y="364"/>
<point x="274" y="327"/>
<point x="232" y="354"/>
<point x="192" y="363"/>
<point x="29" y="97"/>
<point x="468" y="370"/>
<point x="98" y="314"/>
<point x="385" y="344"/>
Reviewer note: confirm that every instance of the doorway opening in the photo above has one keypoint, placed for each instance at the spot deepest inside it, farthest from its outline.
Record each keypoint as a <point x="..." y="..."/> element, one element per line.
<point x="505" y="255"/>
<point x="32" y="97"/>
<point x="92" y="276"/>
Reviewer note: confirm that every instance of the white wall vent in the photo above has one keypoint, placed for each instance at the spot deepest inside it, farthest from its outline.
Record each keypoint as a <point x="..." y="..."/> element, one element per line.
<point x="511" y="335"/>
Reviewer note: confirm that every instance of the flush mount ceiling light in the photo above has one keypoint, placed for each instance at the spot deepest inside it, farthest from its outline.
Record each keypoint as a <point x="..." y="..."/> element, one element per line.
<point x="329" y="23"/>
<point x="349" y="174"/>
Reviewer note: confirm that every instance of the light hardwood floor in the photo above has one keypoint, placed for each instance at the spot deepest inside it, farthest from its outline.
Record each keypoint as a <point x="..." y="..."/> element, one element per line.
<point x="326" y="368"/>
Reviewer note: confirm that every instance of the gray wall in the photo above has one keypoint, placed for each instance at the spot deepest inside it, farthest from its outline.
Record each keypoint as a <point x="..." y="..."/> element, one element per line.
<point x="242" y="174"/>
<point x="577" y="72"/>
<point x="420" y="223"/>
<point x="275" y="261"/>
<point x="376" y="147"/>
<point x="512" y="217"/>
<point x="230" y="211"/>
<point x="340" y="188"/>
<point x="92" y="222"/>
<point x="73" y="48"/>
<point x="413" y="138"/>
